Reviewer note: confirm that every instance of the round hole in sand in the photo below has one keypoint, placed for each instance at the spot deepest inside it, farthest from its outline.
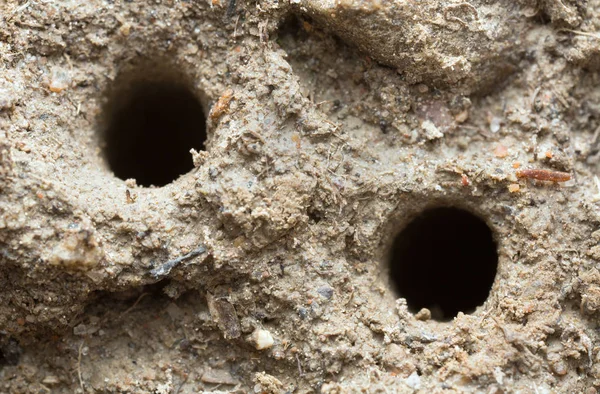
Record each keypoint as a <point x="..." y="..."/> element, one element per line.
<point x="444" y="260"/>
<point x="153" y="117"/>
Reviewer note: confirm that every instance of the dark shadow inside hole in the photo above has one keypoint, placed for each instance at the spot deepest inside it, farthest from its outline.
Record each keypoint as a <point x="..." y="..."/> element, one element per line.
<point x="151" y="122"/>
<point x="10" y="351"/>
<point x="444" y="260"/>
<point x="542" y="17"/>
<point x="292" y="28"/>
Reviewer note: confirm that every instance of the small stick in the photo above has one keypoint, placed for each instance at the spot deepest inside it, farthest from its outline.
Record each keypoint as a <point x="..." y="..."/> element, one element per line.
<point x="79" y="367"/>
<point x="17" y="10"/>
<point x="582" y="33"/>
<point x="544" y="175"/>
<point x="166" y="268"/>
<point x="535" y="93"/>
<point x="182" y="383"/>
<point x="134" y="304"/>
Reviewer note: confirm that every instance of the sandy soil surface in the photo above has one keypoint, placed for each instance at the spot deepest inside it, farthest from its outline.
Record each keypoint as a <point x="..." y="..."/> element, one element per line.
<point x="207" y="195"/>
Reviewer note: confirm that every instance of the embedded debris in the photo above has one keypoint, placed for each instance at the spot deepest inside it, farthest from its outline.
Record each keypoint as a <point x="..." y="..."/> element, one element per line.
<point x="223" y="313"/>
<point x="262" y="339"/>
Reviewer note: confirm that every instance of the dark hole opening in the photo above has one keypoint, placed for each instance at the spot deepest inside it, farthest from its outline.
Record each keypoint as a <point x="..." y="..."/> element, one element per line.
<point x="445" y="260"/>
<point x="152" y="120"/>
<point x="10" y="351"/>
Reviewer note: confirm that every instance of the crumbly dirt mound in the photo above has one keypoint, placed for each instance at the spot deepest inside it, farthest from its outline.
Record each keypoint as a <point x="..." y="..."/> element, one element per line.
<point x="327" y="125"/>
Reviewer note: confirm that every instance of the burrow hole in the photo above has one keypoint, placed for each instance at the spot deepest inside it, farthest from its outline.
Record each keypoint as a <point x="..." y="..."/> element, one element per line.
<point x="152" y="119"/>
<point x="444" y="260"/>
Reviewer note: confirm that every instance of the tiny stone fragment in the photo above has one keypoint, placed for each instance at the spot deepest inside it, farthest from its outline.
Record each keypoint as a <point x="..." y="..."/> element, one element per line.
<point x="59" y="81"/>
<point x="218" y="376"/>
<point x="50" y="380"/>
<point x="431" y="131"/>
<point x="325" y="292"/>
<point x="223" y="313"/>
<point x="7" y="99"/>
<point x="462" y="117"/>
<point x="495" y="124"/>
<point x="557" y="364"/>
<point x="501" y="151"/>
<point x="267" y="384"/>
<point x="398" y="360"/>
<point x="262" y="339"/>
<point x="424" y="314"/>
<point x="413" y="381"/>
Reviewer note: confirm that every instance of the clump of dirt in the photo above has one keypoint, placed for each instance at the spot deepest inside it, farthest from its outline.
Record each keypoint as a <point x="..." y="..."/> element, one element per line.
<point x="299" y="196"/>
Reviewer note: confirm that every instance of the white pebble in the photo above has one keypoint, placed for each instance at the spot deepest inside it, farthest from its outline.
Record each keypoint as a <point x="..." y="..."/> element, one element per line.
<point x="413" y="381"/>
<point x="59" y="81"/>
<point x="495" y="124"/>
<point x="431" y="131"/>
<point x="262" y="339"/>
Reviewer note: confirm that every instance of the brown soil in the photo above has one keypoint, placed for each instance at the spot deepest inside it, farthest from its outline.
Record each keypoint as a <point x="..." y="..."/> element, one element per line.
<point x="210" y="195"/>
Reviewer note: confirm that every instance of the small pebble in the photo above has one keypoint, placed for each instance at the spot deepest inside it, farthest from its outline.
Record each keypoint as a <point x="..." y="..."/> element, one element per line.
<point x="125" y="29"/>
<point x="423" y="315"/>
<point x="325" y="292"/>
<point x="59" y="81"/>
<point x="462" y="116"/>
<point x="501" y="151"/>
<point x="557" y="364"/>
<point x="218" y="376"/>
<point x="262" y="339"/>
<point x="7" y="99"/>
<point x="495" y="124"/>
<point x="50" y="380"/>
<point x="431" y="131"/>
<point x="303" y="312"/>
<point x="413" y="381"/>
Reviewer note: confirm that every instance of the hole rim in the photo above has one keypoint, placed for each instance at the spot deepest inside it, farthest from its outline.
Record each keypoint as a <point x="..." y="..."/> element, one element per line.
<point x="142" y="72"/>
<point x="403" y="217"/>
